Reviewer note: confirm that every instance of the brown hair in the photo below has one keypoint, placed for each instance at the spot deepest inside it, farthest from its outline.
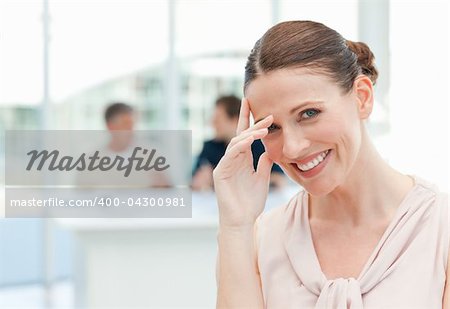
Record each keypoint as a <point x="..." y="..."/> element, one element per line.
<point x="231" y="104"/>
<point x="312" y="45"/>
<point x="115" y="109"/>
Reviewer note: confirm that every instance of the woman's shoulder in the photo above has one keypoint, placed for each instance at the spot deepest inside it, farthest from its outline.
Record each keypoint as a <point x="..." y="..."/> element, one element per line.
<point x="276" y="217"/>
<point x="429" y="199"/>
<point x="271" y="225"/>
<point x="427" y="191"/>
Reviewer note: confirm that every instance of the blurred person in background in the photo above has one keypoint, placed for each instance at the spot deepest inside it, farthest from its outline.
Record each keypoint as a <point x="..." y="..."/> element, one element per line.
<point x="120" y="117"/>
<point x="224" y="121"/>
<point x="120" y="120"/>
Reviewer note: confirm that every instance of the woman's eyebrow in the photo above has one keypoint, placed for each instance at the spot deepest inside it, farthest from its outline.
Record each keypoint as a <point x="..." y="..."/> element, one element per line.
<point x="296" y="108"/>
<point x="303" y="104"/>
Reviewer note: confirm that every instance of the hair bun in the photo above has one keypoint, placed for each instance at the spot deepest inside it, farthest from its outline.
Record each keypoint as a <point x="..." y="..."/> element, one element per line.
<point x="366" y="59"/>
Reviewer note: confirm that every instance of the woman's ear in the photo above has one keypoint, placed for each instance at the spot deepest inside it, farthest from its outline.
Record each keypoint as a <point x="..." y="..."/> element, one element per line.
<point x="363" y="88"/>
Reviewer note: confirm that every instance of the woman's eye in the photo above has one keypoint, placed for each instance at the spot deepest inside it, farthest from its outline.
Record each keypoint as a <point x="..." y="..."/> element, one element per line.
<point x="309" y="113"/>
<point x="271" y="128"/>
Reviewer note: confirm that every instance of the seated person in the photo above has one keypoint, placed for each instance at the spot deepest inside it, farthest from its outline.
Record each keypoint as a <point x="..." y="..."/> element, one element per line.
<point x="120" y="121"/>
<point x="224" y="121"/>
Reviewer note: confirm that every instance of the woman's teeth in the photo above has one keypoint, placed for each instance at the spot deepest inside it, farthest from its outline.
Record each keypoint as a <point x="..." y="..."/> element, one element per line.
<point x="314" y="162"/>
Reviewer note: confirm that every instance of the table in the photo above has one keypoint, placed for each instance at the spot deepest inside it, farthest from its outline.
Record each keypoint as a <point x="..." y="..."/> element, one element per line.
<point x="150" y="263"/>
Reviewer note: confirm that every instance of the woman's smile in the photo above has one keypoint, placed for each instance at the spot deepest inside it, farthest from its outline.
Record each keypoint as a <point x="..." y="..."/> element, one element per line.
<point x="312" y="165"/>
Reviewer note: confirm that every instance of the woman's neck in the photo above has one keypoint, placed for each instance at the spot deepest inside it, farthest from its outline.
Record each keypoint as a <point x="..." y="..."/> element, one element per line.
<point x="372" y="191"/>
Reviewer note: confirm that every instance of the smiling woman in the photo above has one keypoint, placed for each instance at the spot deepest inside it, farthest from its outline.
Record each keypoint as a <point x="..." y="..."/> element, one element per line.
<point x="359" y="233"/>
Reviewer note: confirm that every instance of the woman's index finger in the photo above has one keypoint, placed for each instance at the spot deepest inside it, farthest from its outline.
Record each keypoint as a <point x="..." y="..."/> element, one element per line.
<point x="244" y="117"/>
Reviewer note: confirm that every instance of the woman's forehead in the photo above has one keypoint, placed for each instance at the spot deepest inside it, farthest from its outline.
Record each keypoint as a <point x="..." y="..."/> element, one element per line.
<point x="288" y="87"/>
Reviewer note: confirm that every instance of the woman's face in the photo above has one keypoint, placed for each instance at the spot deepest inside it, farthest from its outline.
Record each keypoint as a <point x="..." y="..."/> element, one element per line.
<point x="316" y="133"/>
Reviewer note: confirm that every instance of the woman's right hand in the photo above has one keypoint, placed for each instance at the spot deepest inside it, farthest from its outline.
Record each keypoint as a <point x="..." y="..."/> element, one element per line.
<point x="241" y="191"/>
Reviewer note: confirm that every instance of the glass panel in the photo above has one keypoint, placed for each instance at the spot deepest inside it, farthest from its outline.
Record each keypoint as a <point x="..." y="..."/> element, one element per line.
<point x="419" y="89"/>
<point x="342" y="16"/>
<point x="99" y="53"/>
<point x="213" y="40"/>
<point x="21" y="53"/>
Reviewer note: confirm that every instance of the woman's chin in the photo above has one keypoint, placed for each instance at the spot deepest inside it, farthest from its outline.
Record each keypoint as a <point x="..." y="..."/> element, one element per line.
<point x="317" y="190"/>
<point x="317" y="187"/>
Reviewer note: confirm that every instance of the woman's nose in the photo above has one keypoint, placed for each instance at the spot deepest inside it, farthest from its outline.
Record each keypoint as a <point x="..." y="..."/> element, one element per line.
<point x="294" y="144"/>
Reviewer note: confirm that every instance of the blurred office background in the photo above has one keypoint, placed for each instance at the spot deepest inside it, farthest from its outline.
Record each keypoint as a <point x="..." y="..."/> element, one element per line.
<point x="62" y="61"/>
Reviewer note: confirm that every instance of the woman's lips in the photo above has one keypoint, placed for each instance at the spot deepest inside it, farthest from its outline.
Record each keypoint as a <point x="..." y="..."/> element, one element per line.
<point x="315" y="164"/>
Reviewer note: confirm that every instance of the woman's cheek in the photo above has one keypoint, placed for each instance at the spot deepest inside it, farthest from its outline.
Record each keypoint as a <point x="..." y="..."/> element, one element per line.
<point x="327" y="132"/>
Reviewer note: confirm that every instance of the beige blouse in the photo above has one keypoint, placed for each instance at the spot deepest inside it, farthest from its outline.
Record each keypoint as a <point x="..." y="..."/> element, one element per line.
<point x="407" y="269"/>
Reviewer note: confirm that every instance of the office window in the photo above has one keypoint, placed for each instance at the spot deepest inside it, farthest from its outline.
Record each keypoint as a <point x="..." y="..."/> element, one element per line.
<point x="98" y="52"/>
<point x="419" y="92"/>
